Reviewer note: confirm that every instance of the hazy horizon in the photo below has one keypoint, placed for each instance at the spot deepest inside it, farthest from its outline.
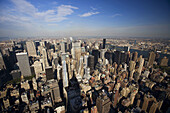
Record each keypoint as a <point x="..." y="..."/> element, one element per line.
<point x="64" y="18"/>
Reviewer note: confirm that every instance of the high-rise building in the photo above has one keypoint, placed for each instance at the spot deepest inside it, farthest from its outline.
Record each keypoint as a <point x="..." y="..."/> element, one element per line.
<point x="123" y="57"/>
<point x="164" y="61"/>
<point x="104" y="43"/>
<point x="45" y="60"/>
<point x="86" y="60"/>
<point x="63" y="47"/>
<point x="127" y="57"/>
<point x="141" y="62"/>
<point x="117" y="57"/>
<point x="64" y="71"/>
<point x="2" y="64"/>
<point x="24" y="65"/>
<point x="87" y="73"/>
<point x="95" y="53"/>
<point x="109" y="56"/>
<point x="132" y="65"/>
<point x="102" y="53"/>
<point x="103" y="103"/>
<point x="31" y="48"/>
<point x="91" y="62"/>
<point x="37" y="43"/>
<point x="135" y="56"/>
<point x="151" y="58"/>
<point x="126" y="48"/>
<point x="49" y="73"/>
<point x="38" y="67"/>
<point x="75" y="45"/>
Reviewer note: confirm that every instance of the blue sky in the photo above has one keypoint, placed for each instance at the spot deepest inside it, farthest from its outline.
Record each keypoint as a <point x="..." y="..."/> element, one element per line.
<point x="124" y="18"/>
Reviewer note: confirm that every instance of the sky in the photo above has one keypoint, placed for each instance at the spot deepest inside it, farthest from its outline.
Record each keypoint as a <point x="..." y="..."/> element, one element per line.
<point x="65" y="18"/>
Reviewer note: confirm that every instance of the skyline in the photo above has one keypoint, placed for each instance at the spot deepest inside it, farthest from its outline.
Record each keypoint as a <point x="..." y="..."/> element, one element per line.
<point x="29" y="18"/>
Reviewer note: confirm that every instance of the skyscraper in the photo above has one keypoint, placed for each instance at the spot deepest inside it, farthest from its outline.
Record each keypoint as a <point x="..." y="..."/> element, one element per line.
<point x="64" y="71"/>
<point x="91" y="62"/>
<point x="109" y="56"/>
<point x="95" y="53"/>
<point x="135" y="56"/>
<point x="103" y="103"/>
<point x="2" y="64"/>
<point x="86" y="60"/>
<point x="63" y="47"/>
<point x="126" y="48"/>
<point x="104" y="43"/>
<point x="45" y="60"/>
<point x="164" y="61"/>
<point x="24" y="65"/>
<point x="49" y="73"/>
<point x="31" y="48"/>
<point x="117" y="57"/>
<point x="123" y="57"/>
<point x="141" y="62"/>
<point x="132" y="65"/>
<point x="151" y="58"/>
<point x="102" y="53"/>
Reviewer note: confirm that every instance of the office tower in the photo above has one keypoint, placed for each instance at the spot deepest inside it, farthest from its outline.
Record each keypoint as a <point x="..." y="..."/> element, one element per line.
<point x="55" y="92"/>
<point x="38" y="67"/>
<point x="55" y="63"/>
<point x="136" y="76"/>
<point x="115" y="97"/>
<point x="103" y="103"/>
<point x="64" y="71"/>
<point x="127" y="57"/>
<point x="31" y="48"/>
<point x="109" y="56"/>
<point x="141" y="62"/>
<point x="164" y="61"/>
<point x="37" y="43"/>
<point x="102" y="53"/>
<point x="77" y="57"/>
<point x="49" y="73"/>
<point x="154" y="107"/>
<point x="95" y="53"/>
<point x="6" y="103"/>
<point x="131" y="74"/>
<point x="45" y="60"/>
<point x="123" y="57"/>
<point x="86" y="60"/>
<point x="87" y="73"/>
<point x="24" y="65"/>
<point x="146" y="104"/>
<point x="48" y="45"/>
<point x="2" y="64"/>
<point x="132" y="65"/>
<point x="126" y="48"/>
<point x="24" y="98"/>
<point x="91" y="62"/>
<point x="151" y="58"/>
<point x="117" y="57"/>
<point x="75" y="45"/>
<point x="34" y="83"/>
<point x="104" y="43"/>
<point x="63" y="47"/>
<point x="80" y="65"/>
<point x="135" y="56"/>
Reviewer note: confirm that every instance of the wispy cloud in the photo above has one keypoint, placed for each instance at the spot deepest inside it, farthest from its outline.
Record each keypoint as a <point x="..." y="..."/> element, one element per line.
<point x="93" y="8"/>
<point x="23" y="10"/>
<point x="115" y="15"/>
<point x="89" y="14"/>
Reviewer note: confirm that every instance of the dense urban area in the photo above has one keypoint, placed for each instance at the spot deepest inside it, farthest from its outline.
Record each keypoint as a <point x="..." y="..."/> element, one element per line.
<point x="87" y="75"/>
